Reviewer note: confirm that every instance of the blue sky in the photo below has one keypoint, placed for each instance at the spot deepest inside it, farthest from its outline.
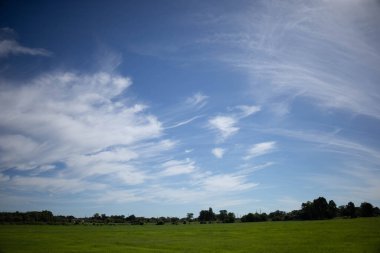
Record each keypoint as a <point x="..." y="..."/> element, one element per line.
<point x="168" y="107"/>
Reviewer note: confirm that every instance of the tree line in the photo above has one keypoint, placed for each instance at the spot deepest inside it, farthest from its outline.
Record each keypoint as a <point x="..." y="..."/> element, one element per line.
<point x="317" y="209"/>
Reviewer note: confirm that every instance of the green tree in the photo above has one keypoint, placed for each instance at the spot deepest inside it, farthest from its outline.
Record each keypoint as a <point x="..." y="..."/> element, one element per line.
<point x="211" y="214"/>
<point x="223" y="215"/>
<point x="321" y="208"/>
<point x="307" y="210"/>
<point x="203" y="216"/>
<point x="104" y="218"/>
<point x="46" y="216"/>
<point x="250" y="217"/>
<point x="277" y="215"/>
<point x="351" y="210"/>
<point x="189" y="217"/>
<point x="316" y="210"/>
<point x="376" y="211"/>
<point x="206" y="215"/>
<point x="332" y="209"/>
<point x="96" y="217"/>
<point x="366" y="209"/>
<point x="230" y="218"/>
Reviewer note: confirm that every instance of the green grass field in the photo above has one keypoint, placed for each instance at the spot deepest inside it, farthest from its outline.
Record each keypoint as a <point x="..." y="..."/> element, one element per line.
<point x="356" y="235"/>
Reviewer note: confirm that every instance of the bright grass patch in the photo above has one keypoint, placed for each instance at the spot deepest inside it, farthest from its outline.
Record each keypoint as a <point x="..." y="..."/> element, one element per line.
<point x="350" y="235"/>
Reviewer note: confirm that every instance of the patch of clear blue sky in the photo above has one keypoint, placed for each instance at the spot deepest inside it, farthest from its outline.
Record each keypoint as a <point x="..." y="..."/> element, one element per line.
<point x="310" y="68"/>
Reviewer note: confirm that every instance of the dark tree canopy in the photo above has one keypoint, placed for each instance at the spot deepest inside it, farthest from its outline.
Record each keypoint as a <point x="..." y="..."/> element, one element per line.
<point x="332" y="210"/>
<point x="317" y="209"/>
<point x="366" y="209"/>
<point x="206" y="215"/>
<point x="254" y="217"/>
<point x="351" y="209"/>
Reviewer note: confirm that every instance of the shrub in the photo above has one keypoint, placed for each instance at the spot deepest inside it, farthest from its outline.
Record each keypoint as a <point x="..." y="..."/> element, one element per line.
<point x="160" y="222"/>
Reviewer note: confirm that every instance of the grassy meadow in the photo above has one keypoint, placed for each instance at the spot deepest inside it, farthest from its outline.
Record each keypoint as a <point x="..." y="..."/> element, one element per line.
<point x="340" y="235"/>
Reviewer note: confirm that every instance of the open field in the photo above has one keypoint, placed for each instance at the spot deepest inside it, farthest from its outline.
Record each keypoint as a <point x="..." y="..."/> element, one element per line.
<point x="356" y="235"/>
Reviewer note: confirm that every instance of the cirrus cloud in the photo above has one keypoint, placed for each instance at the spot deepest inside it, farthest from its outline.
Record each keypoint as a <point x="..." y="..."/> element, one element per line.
<point x="176" y="167"/>
<point x="260" y="149"/>
<point x="218" y="152"/>
<point x="225" y="126"/>
<point x="58" y="115"/>
<point x="9" y="46"/>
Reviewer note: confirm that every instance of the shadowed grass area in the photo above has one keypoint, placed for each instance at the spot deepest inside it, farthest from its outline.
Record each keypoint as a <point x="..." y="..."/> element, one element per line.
<point x="356" y="235"/>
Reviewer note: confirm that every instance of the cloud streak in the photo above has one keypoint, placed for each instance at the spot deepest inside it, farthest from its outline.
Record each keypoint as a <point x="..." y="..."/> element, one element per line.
<point x="12" y="47"/>
<point x="318" y="50"/>
<point x="9" y="46"/>
<point x="227" y="125"/>
<point x="260" y="149"/>
<point x="183" y="123"/>
<point x="176" y="167"/>
<point x="198" y="100"/>
<point x="227" y="183"/>
<point x="333" y="143"/>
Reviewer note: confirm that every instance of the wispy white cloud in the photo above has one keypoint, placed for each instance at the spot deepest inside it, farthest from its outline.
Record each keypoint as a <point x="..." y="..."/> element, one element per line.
<point x="260" y="149"/>
<point x="332" y="142"/>
<point x="218" y="152"/>
<point x="353" y="182"/>
<point x="247" y="110"/>
<point x="9" y="46"/>
<point x="319" y="50"/>
<point x="117" y="196"/>
<point x="76" y="120"/>
<point x="128" y="175"/>
<point x="182" y="123"/>
<point x="227" y="183"/>
<point x="167" y="194"/>
<point x="149" y="149"/>
<point x="225" y="126"/>
<point x="119" y="154"/>
<point x="58" y="115"/>
<point x="248" y="169"/>
<point x="198" y="197"/>
<point x="197" y="100"/>
<point x="53" y="185"/>
<point x="182" y="114"/>
<point x="16" y="147"/>
<point x="289" y="203"/>
<point x="369" y="178"/>
<point x="106" y="59"/>
<point x="112" y="164"/>
<point x="178" y="167"/>
<point x="205" y="189"/>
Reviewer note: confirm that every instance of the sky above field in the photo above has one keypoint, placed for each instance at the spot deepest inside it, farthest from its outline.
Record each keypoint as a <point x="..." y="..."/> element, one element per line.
<point x="167" y="107"/>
